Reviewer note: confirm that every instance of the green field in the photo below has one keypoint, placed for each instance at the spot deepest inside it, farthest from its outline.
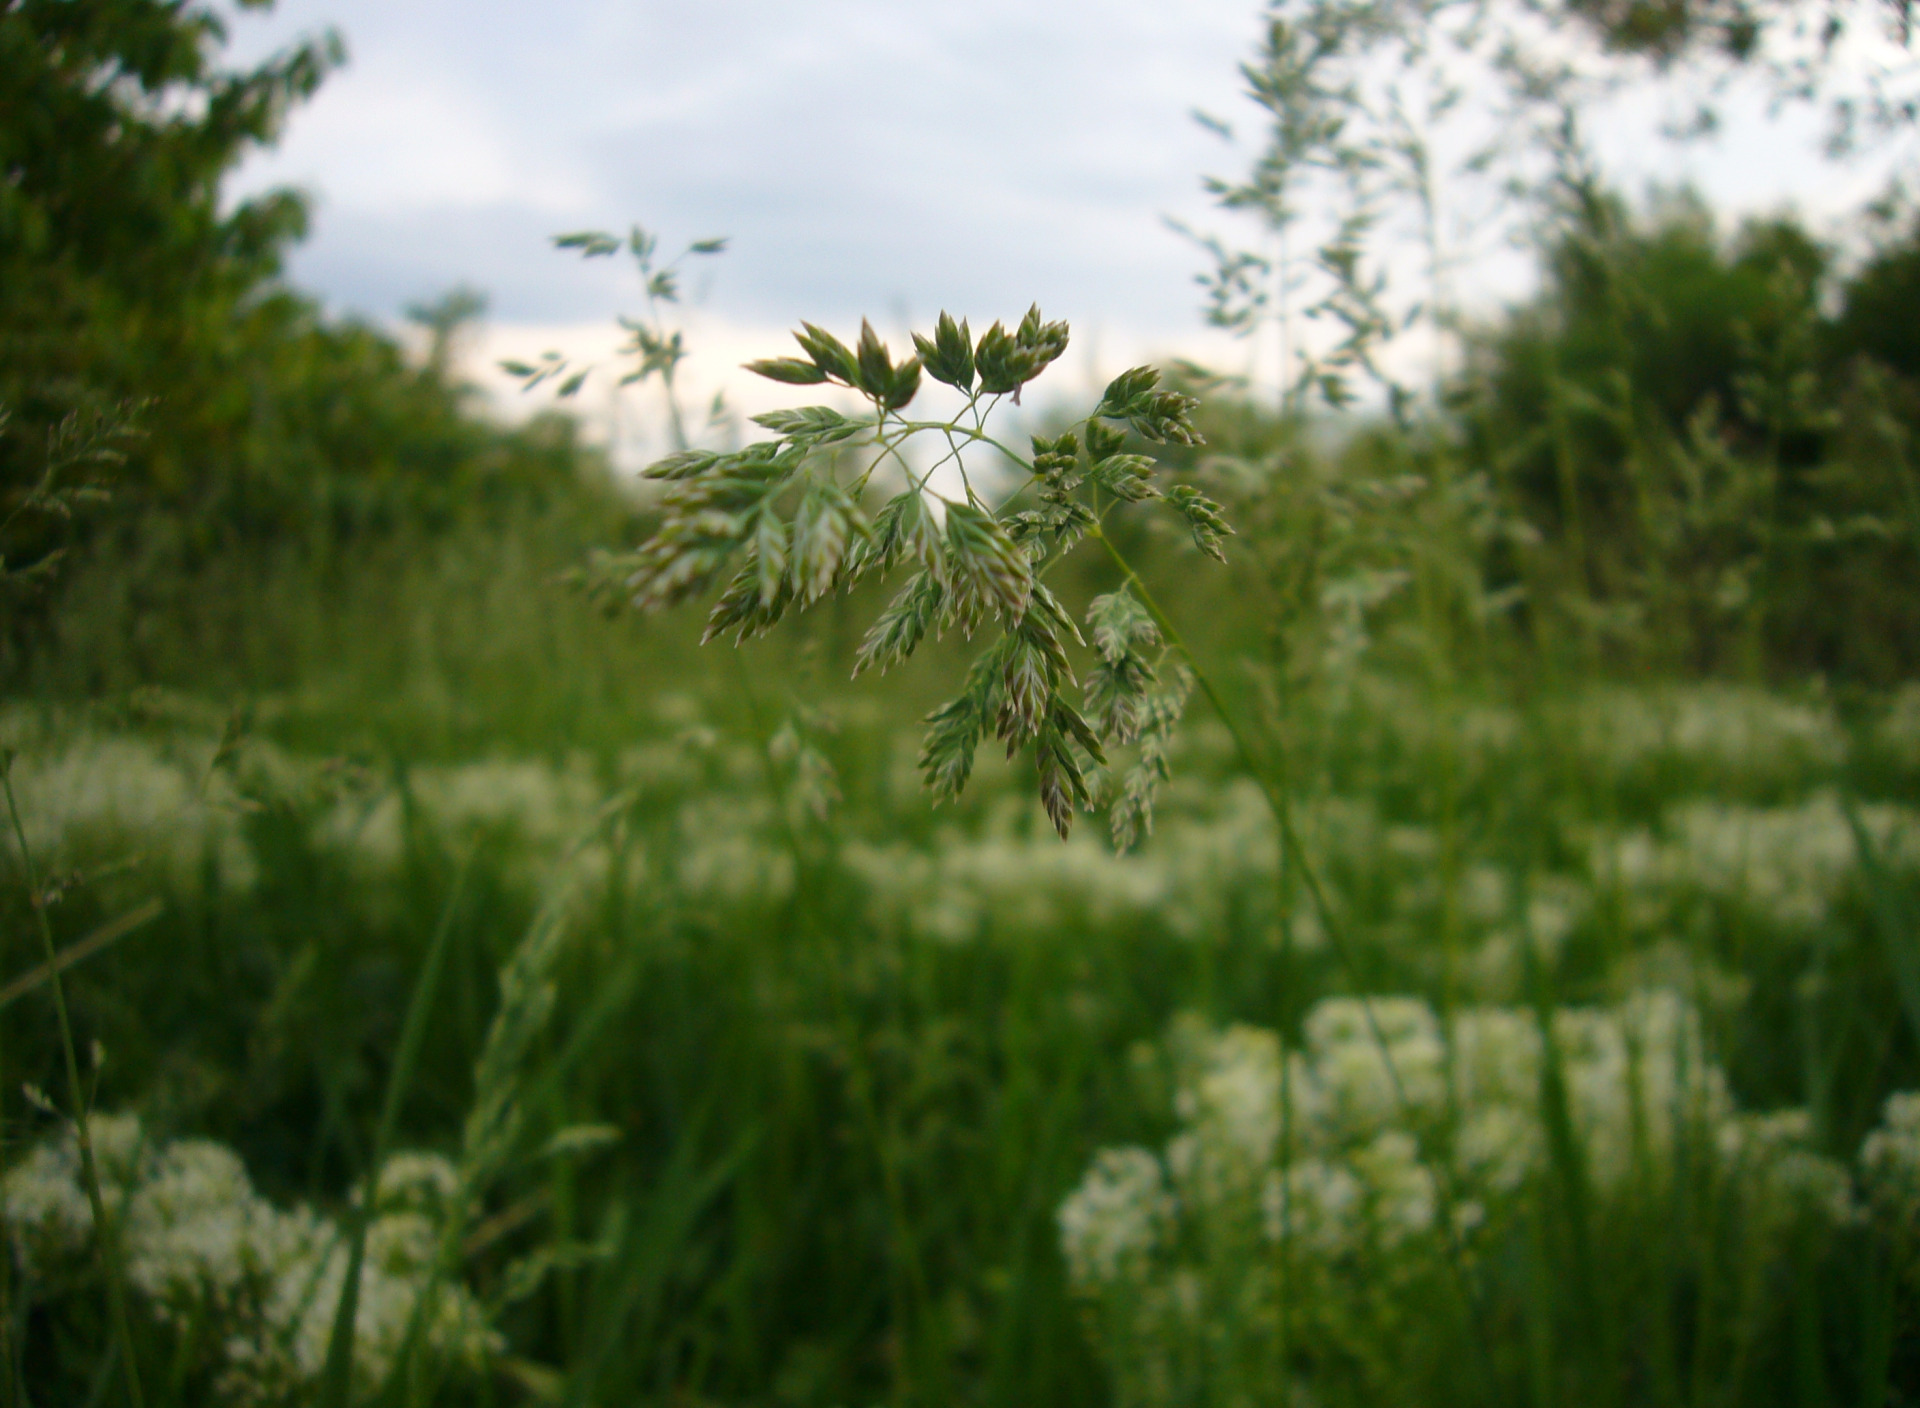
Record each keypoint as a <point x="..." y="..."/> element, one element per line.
<point x="478" y="994"/>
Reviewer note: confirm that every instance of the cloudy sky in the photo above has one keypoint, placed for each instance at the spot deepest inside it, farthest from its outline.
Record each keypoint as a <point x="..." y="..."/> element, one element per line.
<point x="866" y="158"/>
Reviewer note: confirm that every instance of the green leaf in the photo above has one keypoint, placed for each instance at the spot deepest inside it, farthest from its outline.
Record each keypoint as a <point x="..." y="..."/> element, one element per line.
<point x="682" y="464"/>
<point x="902" y="626"/>
<point x="714" y="246"/>
<point x="516" y="368"/>
<point x="580" y="1139"/>
<point x="591" y="243"/>
<point x="1203" y="517"/>
<point x="573" y="383"/>
<point x="790" y="370"/>
<point x="949" y="356"/>
<point x="827" y="521"/>
<point x="828" y="353"/>
<point x="873" y="364"/>
<point x="987" y="564"/>
<point x="820" y="425"/>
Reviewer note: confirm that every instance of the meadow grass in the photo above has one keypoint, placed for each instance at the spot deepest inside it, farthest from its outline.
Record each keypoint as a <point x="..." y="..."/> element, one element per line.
<point x="763" y="1082"/>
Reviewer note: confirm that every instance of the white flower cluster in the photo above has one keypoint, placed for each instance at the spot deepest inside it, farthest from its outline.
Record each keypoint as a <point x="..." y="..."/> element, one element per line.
<point x="1897" y="731"/>
<point x="1211" y="844"/>
<point x="87" y="797"/>
<point x="1785" y="865"/>
<point x="1890" y="1159"/>
<point x="1387" y="1136"/>
<point x="203" y="1249"/>
<point x="1727" y="730"/>
<point x="1694" y="733"/>
<point x="532" y="809"/>
<point x="92" y="796"/>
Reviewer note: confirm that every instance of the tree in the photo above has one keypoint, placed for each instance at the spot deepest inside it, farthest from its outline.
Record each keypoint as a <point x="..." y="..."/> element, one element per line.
<point x="120" y="277"/>
<point x="125" y="282"/>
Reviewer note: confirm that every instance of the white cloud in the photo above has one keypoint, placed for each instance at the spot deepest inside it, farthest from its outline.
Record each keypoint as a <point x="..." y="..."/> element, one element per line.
<point x="416" y="143"/>
<point x="873" y="157"/>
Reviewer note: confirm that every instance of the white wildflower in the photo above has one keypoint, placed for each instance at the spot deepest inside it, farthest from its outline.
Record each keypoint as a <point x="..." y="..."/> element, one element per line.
<point x="421" y="1182"/>
<point x="1375" y="1061"/>
<point x="1402" y="1193"/>
<point x="203" y="1248"/>
<point x="191" y="1228"/>
<point x="1319" y="1203"/>
<point x="1890" y="1157"/>
<point x="1111" y="1225"/>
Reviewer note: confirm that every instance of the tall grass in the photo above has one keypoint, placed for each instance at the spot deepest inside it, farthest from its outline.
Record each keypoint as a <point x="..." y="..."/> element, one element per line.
<point x="857" y="1065"/>
<point x="1516" y="1002"/>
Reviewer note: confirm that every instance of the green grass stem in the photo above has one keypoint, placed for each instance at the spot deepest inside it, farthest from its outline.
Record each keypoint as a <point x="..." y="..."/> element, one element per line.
<point x="336" y="1385"/>
<point x="106" y="1226"/>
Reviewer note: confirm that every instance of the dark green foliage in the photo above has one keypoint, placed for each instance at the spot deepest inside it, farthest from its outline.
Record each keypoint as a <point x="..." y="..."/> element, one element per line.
<point x="1665" y="29"/>
<point x="119" y="276"/>
<point x="1701" y="443"/>
<point x="1879" y="316"/>
<point x="263" y="426"/>
<point x="1666" y="314"/>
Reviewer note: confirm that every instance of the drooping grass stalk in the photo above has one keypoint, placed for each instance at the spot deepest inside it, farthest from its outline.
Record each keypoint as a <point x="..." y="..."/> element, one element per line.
<point x="107" y="934"/>
<point x="1276" y="794"/>
<point x="336" y="1384"/>
<point x="106" y="1226"/>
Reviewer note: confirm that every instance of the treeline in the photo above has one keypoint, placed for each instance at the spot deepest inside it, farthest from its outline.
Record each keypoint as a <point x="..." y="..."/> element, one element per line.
<point x="149" y="344"/>
<point x="1695" y="446"/>
<point x="1715" y="430"/>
